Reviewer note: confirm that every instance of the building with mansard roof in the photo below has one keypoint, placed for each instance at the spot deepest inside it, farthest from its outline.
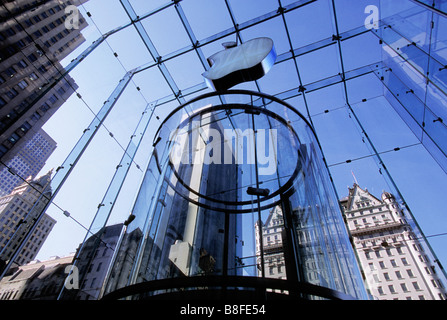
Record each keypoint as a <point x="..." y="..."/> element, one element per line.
<point x="394" y="260"/>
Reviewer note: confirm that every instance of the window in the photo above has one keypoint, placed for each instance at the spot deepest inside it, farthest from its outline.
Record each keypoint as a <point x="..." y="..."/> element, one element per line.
<point x="393" y="263"/>
<point x="22" y="84"/>
<point x="53" y="99"/>
<point x="434" y="283"/>
<point x="32" y="57"/>
<point x="382" y="265"/>
<point x="398" y="275"/>
<point x="416" y="286"/>
<point x="376" y="278"/>
<point x="10" y="71"/>
<point x="386" y="276"/>
<point x="45" y="107"/>
<point x="13" y="138"/>
<point x="12" y="93"/>
<point x="404" y="287"/>
<point x="33" y="76"/>
<point x="380" y="290"/>
<point x="10" y="32"/>
<point x="2" y="102"/>
<point x="61" y="91"/>
<point x="42" y="69"/>
<point x="391" y="288"/>
<point x="404" y="261"/>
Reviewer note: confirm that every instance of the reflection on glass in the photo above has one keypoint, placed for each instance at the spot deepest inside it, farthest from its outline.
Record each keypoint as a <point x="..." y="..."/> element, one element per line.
<point x="236" y="190"/>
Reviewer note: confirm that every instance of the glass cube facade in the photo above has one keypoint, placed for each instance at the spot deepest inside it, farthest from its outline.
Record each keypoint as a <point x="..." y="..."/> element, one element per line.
<point x="368" y="78"/>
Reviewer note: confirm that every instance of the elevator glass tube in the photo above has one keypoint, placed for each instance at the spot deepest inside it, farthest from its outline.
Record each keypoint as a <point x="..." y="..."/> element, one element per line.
<point x="236" y="201"/>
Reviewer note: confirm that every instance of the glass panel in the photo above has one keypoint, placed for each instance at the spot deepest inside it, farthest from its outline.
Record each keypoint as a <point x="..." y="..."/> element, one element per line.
<point x="201" y="225"/>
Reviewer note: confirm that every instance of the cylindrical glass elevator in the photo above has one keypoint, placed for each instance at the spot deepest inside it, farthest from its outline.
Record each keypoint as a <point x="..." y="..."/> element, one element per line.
<point x="236" y="202"/>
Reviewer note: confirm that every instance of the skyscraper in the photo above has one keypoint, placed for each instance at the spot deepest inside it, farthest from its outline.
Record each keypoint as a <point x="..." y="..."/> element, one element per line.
<point x="33" y="39"/>
<point x="394" y="261"/>
<point x="29" y="160"/>
<point x="18" y="212"/>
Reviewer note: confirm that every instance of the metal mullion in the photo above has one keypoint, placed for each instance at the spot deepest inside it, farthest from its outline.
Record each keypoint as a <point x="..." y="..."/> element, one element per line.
<point x="191" y="35"/>
<point x="238" y="35"/>
<point x="63" y="171"/>
<point x="294" y="61"/>
<point x="233" y="20"/>
<point x="430" y="8"/>
<point x="281" y="57"/>
<point x="151" y="48"/>
<point x="383" y="170"/>
<point x="104" y="210"/>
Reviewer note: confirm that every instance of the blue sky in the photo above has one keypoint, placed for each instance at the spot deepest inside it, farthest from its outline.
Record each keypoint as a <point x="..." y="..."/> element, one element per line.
<point x="418" y="177"/>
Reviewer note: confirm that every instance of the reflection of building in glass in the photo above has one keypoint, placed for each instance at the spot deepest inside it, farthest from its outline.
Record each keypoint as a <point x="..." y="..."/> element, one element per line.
<point x="123" y="260"/>
<point x="273" y="246"/>
<point x="34" y="39"/>
<point x="95" y="256"/>
<point x="37" y="280"/>
<point x="394" y="260"/>
<point x="210" y="226"/>
<point x="18" y="212"/>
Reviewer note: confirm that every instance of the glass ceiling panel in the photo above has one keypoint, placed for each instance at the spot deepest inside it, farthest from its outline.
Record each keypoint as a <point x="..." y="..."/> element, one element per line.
<point x="351" y="14"/>
<point x="130" y="49"/>
<point x="207" y="17"/>
<point x="365" y="87"/>
<point x="105" y="20"/>
<point x="360" y="51"/>
<point x="143" y="6"/>
<point x="279" y="78"/>
<point x="339" y="145"/>
<point x="328" y="64"/>
<point x="186" y="70"/>
<point x="326" y="99"/>
<point x="165" y="25"/>
<point x="152" y="84"/>
<point x="310" y="23"/>
<point x="274" y="29"/>
<point x="249" y="9"/>
<point x="439" y="41"/>
<point x="383" y="125"/>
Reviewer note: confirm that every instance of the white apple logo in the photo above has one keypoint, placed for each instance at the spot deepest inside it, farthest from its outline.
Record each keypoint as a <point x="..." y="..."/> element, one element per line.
<point x="236" y="64"/>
